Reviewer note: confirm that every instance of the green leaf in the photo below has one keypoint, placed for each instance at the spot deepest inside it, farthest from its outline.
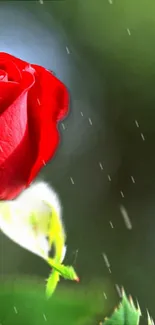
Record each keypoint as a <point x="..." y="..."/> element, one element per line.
<point x="52" y="282"/>
<point x="67" y="272"/>
<point x="125" y="314"/>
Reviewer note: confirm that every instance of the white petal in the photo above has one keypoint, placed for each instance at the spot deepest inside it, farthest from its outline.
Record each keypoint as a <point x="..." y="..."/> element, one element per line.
<point x="18" y="226"/>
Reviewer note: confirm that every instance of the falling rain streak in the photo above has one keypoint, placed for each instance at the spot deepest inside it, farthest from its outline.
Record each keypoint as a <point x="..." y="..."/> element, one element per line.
<point x="122" y="194"/>
<point x="15" y="309"/>
<point x="128" y="31"/>
<point x="111" y="224"/>
<point x="63" y="126"/>
<point x="142" y="136"/>
<point x="72" y="180"/>
<point x="101" y="166"/>
<point x="106" y="260"/>
<point x="38" y="101"/>
<point x="137" y="124"/>
<point x="109" y="178"/>
<point x="118" y="290"/>
<point x="67" y="49"/>
<point x="125" y="217"/>
<point x="44" y="316"/>
<point x="76" y="255"/>
<point x="133" y="180"/>
<point x="90" y="121"/>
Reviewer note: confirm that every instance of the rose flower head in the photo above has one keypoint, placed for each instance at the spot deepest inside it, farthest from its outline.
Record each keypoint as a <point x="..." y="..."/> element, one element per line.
<point x="32" y="102"/>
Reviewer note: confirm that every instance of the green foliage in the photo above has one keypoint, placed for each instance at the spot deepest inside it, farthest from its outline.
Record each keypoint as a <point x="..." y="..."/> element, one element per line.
<point x="24" y="303"/>
<point x="126" y="313"/>
<point x="67" y="272"/>
<point x="52" y="282"/>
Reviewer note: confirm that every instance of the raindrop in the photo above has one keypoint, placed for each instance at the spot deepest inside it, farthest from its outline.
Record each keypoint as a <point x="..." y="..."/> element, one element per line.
<point x="109" y="178"/>
<point x="137" y="124"/>
<point x="90" y="121"/>
<point x="44" y="316"/>
<point x="142" y="136"/>
<point x="76" y="255"/>
<point x="101" y="166"/>
<point x="63" y="126"/>
<point x="126" y="217"/>
<point x="133" y="180"/>
<point x="128" y="31"/>
<point x="67" y="49"/>
<point x="118" y="290"/>
<point x="72" y="180"/>
<point x="111" y="224"/>
<point x="106" y="260"/>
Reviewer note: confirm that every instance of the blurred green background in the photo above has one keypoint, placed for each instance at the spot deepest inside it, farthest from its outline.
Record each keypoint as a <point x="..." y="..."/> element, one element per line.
<point x="23" y="302"/>
<point x="104" y="51"/>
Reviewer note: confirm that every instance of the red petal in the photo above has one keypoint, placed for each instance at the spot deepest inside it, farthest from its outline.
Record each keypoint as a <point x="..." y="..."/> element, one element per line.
<point x="29" y="111"/>
<point x="18" y="62"/>
<point x="48" y="103"/>
<point x="15" y="159"/>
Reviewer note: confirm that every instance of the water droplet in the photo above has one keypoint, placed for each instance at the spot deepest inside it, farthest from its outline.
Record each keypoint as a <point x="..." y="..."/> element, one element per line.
<point x="90" y="121"/>
<point x="44" y="316"/>
<point x="122" y="194"/>
<point x="63" y="126"/>
<point x="106" y="260"/>
<point x="104" y="294"/>
<point x="137" y="124"/>
<point x="126" y="217"/>
<point x="67" y="49"/>
<point x="109" y="178"/>
<point x="101" y="166"/>
<point x="142" y="136"/>
<point x="72" y="180"/>
<point x="128" y="31"/>
<point x="133" y="180"/>
<point x="111" y="224"/>
<point x="118" y="290"/>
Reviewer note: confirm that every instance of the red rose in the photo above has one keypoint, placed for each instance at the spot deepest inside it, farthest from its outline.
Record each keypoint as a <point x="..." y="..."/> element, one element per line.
<point x="32" y="101"/>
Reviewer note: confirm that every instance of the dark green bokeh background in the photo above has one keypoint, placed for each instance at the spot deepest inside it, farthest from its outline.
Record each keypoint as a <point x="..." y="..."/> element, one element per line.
<point x="110" y="73"/>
